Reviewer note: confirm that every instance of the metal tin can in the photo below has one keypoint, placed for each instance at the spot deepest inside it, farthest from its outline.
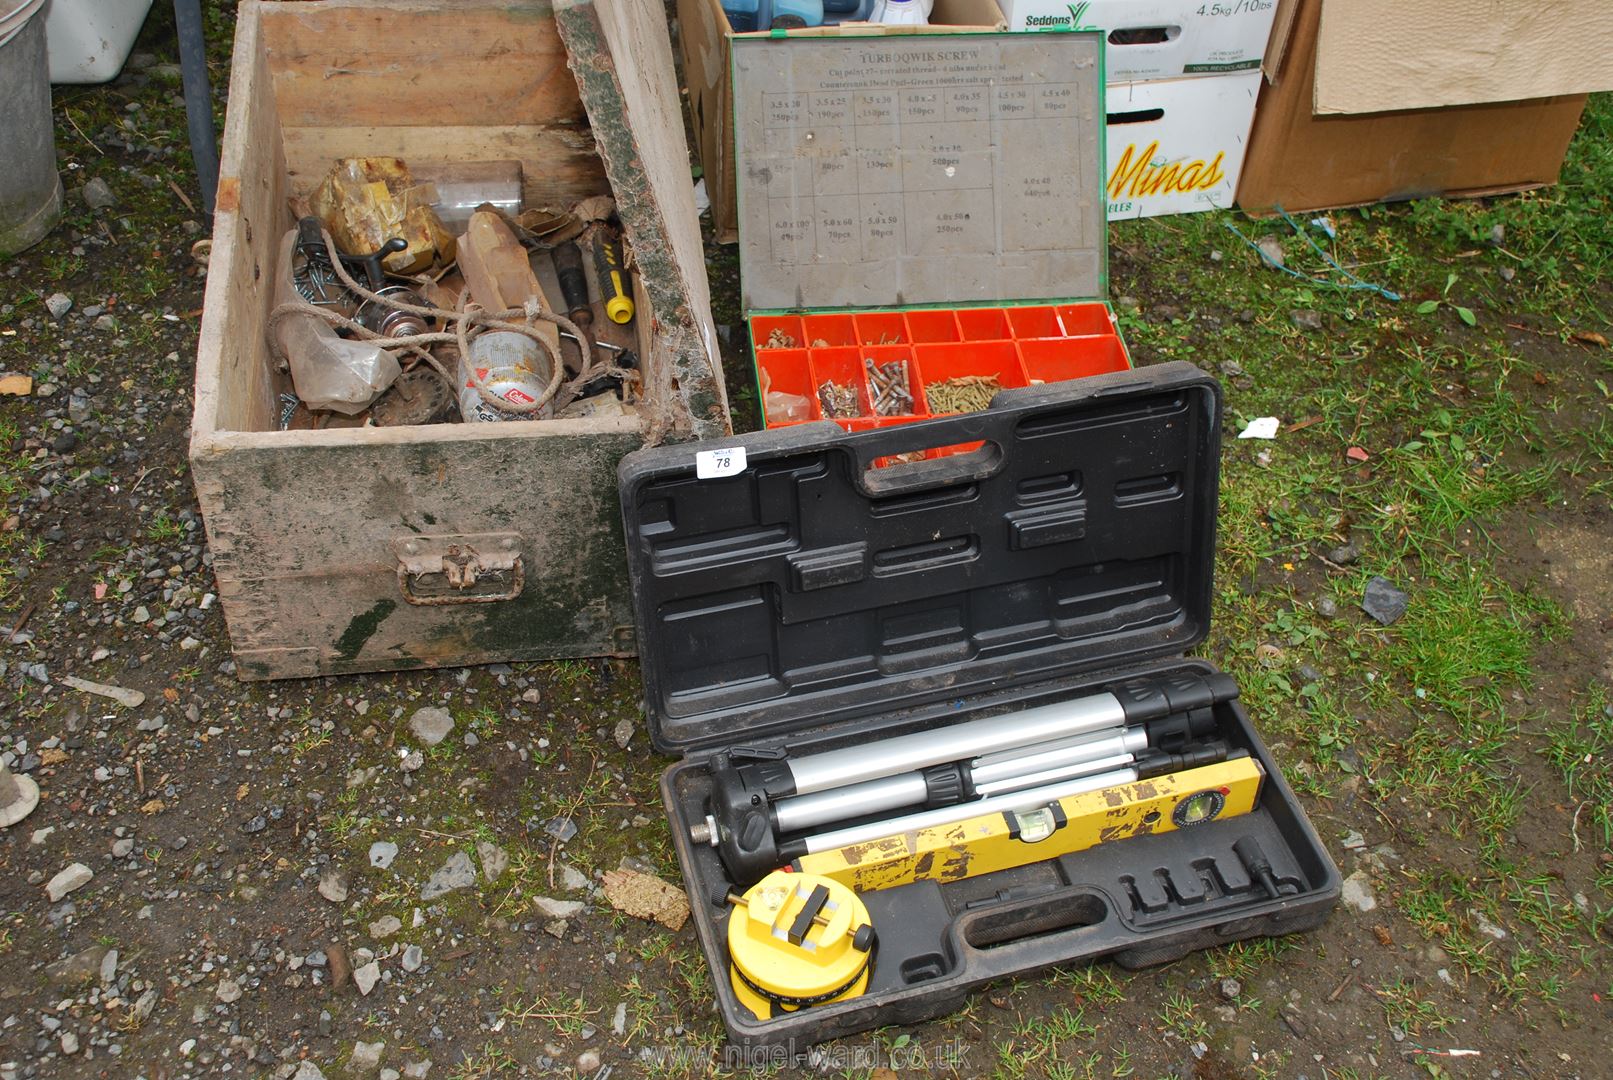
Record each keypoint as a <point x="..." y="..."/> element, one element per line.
<point x="511" y="366"/>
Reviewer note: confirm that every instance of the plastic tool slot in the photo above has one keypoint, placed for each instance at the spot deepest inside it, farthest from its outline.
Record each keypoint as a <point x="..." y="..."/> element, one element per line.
<point x="1038" y="489"/>
<point x="1148" y="489"/>
<point x="1040" y="918"/>
<point x="929" y="555"/>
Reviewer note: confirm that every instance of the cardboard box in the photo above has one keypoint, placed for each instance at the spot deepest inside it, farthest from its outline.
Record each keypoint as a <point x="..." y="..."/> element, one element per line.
<point x="1177" y="146"/>
<point x="1382" y="55"/>
<point x="322" y="540"/>
<point x="704" y="36"/>
<point x="1301" y="161"/>
<point x="1159" y="39"/>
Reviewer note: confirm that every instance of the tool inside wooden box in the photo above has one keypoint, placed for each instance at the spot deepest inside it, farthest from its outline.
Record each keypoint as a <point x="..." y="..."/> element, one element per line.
<point x="407" y="297"/>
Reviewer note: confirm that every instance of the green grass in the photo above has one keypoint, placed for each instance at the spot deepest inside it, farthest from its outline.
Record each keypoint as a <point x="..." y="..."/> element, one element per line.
<point x="1469" y="636"/>
<point x="1405" y="1007"/>
<point x="163" y="528"/>
<point x="1424" y="721"/>
<point x="489" y="1061"/>
<point x="1581" y="750"/>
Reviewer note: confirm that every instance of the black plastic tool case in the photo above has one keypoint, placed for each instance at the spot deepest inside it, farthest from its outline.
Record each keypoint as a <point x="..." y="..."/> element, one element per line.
<point x="815" y="601"/>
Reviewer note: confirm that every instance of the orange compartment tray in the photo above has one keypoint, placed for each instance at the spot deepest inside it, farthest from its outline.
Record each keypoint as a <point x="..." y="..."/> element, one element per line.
<point x="814" y="366"/>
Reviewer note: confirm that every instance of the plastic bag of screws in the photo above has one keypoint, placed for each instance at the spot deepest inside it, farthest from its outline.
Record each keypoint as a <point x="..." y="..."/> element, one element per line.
<point x="780" y="407"/>
<point x="839" y="400"/>
<point x="966" y="393"/>
<point x="888" y="388"/>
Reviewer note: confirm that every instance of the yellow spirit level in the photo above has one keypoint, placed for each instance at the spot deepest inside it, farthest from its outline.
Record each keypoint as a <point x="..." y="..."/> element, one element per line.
<point x="797" y="940"/>
<point x="1000" y="841"/>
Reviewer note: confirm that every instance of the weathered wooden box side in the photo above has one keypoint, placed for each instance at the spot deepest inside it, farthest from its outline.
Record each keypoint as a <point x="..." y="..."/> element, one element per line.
<point x="621" y="53"/>
<point x="332" y="548"/>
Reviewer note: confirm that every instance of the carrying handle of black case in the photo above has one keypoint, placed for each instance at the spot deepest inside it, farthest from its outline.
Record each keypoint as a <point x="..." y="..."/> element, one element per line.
<point x="1022" y="944"/>
<point x="879" y="477"/>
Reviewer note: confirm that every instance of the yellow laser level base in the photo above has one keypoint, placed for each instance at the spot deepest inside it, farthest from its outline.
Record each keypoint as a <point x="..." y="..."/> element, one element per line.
<point x="797" y="940"/>
<point x="1000" y="841"/>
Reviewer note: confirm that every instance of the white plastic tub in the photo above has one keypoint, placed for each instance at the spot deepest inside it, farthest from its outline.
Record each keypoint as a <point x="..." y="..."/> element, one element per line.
<point x="90" y="39"/>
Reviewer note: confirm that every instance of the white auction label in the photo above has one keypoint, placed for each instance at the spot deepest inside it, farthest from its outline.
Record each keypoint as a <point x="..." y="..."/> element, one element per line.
<point x="727" y="461"/>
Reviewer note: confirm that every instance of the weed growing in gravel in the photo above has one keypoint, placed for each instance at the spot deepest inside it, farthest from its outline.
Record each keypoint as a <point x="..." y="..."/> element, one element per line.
<point x="572" y="673"/>
<point x="485" y="721"/>
<point x="1092" y="984"/>
<point x="14" y="471"/>
<point x="1242" y="960"/>
<point x="1405" y="1007"/>
<point x="490" y="1060"/>
<point x="164" y="529"/>
<point x="562" y="1015"/>
<point x="1179" y="1015"/>
<point x="1581" y="750"/>
<point x="314" y="736"/>
<point x="13" y="468"/>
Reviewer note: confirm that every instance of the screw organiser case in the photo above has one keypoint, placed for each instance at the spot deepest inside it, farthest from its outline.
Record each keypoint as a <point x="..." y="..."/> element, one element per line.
<point x="930" y="205"/>
<point x="801" y="597"/>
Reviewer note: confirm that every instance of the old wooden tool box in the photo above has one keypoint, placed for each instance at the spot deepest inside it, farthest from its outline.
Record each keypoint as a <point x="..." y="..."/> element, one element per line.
<point x="329" y="545"/>
<point x="810" y="599"/>
<point x="933" y="201"/>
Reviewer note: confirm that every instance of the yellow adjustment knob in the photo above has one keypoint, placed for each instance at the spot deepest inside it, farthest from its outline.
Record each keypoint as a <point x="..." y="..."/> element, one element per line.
<point x="797" y="940"/>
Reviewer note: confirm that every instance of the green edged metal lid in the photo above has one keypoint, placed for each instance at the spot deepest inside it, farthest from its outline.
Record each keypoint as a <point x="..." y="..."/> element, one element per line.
<point x="901" y="170"/>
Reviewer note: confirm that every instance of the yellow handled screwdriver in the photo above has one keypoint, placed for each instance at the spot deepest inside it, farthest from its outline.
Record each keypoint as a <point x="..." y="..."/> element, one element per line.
<point x="612" y="277"/>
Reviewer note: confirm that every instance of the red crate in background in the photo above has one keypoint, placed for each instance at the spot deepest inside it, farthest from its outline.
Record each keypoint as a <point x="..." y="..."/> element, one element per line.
<point x="984" y="324"/>
<point x="1080" y="320"/>
<point x="1018" y="345"/>
<point x="1035" y="322"/>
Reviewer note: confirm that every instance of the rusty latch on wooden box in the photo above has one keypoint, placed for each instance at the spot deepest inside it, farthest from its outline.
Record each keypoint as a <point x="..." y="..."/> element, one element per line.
<point x="469" y="568"/>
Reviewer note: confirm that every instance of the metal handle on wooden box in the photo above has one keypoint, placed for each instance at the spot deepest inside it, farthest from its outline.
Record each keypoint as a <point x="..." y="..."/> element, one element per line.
<point x="461" y="562"/>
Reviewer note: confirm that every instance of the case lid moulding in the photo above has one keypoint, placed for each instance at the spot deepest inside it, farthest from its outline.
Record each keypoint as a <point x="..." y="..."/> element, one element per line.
<point x="809" y="589"/>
